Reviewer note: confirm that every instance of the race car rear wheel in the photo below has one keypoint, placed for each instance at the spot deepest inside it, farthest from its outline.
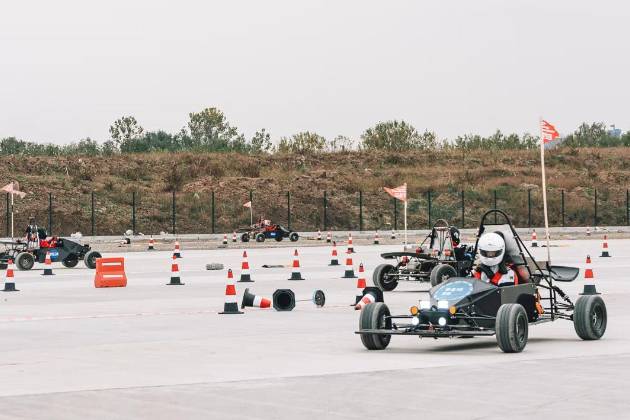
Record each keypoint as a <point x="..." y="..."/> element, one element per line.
<point x="279" y="236"/>
<point x="293" y="236"/>
<point x="511" y="328"/>
<point x="70" y="262"/>
<point x="245" y="237"/>
<point x="374" y="317"/>
<point x="590" y="317"/>
<point x="90" y="259"/>
<point x="381" y="279"/>
<point x="24" y="261"/>
<point x="441" y="272"/>
<point x="260" y="237"/>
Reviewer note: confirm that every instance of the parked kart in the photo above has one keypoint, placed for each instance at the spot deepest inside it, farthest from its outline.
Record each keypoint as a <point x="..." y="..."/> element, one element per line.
<point x="437" y="258"/>
<point x="61" y="249"/>
<point x="468" y="307"/>
<point x="267" y="230"/>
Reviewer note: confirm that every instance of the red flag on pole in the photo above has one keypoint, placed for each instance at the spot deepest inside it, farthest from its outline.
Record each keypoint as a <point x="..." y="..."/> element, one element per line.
<point x="548" y="132"/>
<point x="14" y="188"/>
<point x="399" y="193"/>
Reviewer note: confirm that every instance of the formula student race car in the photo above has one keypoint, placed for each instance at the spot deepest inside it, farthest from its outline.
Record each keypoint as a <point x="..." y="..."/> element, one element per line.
<point x="468" y="307"/>
<point x="61" y="249"/>
<point x="264" y="229"/>
<point x="437" y="258"/>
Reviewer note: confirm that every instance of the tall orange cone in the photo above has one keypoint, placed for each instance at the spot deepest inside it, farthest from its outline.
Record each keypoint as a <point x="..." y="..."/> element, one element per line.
<point x="588" y="271"/>
<point x="245" y="276"/>
<point x="295" y="273"/>
<point x="319" y="235"/>
<point x="48" y="265"/>
<point x="175" y="280"/>
<point x="589" y="279"/>
<point x="231" y="305"/>
<point x="605" y="248"/>
<point x="234" y="236"/>
<point x="349" y="273"/>
<point x="177" y="253"/>
<point x="329" y="237"/>
<point x="151" y="244"/>
<point x="350" y="246"/>
<point x="333" y="256"/>
<point x="9" y="281"/>
<point x="534" y="239"/>
<point x="225" y="239"/>
<point x="361" y="284"/>
<point x="376" y="238"/>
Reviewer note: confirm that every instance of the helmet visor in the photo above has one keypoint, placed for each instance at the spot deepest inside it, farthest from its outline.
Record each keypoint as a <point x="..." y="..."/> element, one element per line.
<point x="491" y="254"/>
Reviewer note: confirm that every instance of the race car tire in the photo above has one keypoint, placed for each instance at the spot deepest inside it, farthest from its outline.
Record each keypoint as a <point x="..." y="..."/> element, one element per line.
<point x="378" y="278"/>
<point x="441" y="271"/>
<point x="260" y="237"/>
<point x="511" y="328"/>
<point x="70" y="262"/>
<point x="590" y="317"/>
<point x="24" y="261"/>
<point x="245" y="237"/>
<point x="278" y="237"/>
<point x="373" y="316"/>
<point x="90" y="259"/>
<point x="294" y="236"/>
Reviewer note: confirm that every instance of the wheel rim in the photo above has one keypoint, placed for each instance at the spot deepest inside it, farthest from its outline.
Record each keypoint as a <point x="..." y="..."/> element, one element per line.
<point x="382" y="324"/>
<point x="597" y="317"/>
<point x="521" y="328"/>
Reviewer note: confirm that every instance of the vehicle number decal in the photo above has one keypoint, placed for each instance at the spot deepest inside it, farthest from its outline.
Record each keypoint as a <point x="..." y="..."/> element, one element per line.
<point x="454" y="291"/>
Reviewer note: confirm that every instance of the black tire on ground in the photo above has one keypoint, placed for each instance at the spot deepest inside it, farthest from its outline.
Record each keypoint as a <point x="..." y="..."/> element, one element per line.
<point x="379" y="280"/>
<point x="245" y="237"/>
<point x="278" y="236"/>
<point x="511" y="328"/>
<point x="90" y="259"/>
<point x="294" y="236"/>
<point x="590" y="317"/>
<point x="373" y="317"/>
<point x="70" y="262"/>
<point x="441" y="272"/>
<point x="24" y="261"/>
<point x="260" y="237"/>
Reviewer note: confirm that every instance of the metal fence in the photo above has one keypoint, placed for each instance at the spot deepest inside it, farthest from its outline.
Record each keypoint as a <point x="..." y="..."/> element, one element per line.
<point x="112" y="213"/>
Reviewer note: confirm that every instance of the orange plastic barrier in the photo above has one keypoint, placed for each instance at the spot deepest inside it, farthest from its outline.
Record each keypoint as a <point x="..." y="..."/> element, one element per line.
<point x="110" y="272"/>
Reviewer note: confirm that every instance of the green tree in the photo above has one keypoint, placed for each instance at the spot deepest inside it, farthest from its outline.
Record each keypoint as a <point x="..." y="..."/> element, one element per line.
<point x="341" y="144"/>
<point x="124" y="131"/>
<point x="397" y="136"/>
<point x="210" y="130"/>
<point x="304" y="142"/>
<point x="261" y="142"/>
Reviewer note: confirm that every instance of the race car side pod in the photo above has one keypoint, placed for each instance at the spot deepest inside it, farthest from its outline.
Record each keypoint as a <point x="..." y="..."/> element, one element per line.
<point x="361" y="284"/>
<point x="231" y="305"/>
<point x="225" y="239"/>
<point x="534" y="239"/>
<point x="245" y="276"/>
<point x="284" y="299"/>
<point x="234" y="236"/>
<point x="175" y="280"/>
<point x="9" y="281"/>
<point x="605" y="248"/>
<point x="295" y="274"/>
<point x="589" y="279"/>
<point x="329" y="237"/>
<point x="376" y="238"/>
<point x="151" y="244"/>
<point x="349" y="273"/>
<point x="350" y="247"/>
<point x="48" y="265"/>
<point x="177" y="253"/>
<point x="333" y="256"/>
<point x="251" y="300"/>
<point x="370" y="295"/>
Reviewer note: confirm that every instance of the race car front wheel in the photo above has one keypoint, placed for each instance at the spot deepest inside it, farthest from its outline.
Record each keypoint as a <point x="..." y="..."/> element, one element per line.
<point x="375" y="316"/>
<point x="511" y="328"/>
<point x="441" y="272"/>
<point x="90" y="259"/>
<point x="590" y="317"/>
<point x="293" y="236"/>
<point x="260" y="237"/>
<point x="382" y="280"/>
<point x="245" y="237"/>
<point x="24" y="261"/>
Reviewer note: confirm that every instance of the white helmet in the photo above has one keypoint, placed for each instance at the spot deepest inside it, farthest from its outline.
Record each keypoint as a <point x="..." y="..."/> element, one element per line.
<point x="491" y="249"/>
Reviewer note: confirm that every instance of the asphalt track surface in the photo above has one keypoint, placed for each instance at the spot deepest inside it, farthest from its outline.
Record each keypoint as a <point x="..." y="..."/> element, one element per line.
<point x="70" y="351"/>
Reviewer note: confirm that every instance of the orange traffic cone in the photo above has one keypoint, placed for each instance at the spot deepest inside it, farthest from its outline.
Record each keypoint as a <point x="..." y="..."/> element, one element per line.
<point x="9" y="281"/>
<point x="245" y="276"/>
<point x="175" y="280"/>
<point x="251" y="300"/>
<point x="534" y="239"/>
<point x="589" y="279"/>
<point x="225" y="239"/>
<point x="177" y="253"/>
<point x="295" y="274"/>
<point x="48" y="265"/>
<point x="588" y="271"/>
<point x="369" y="295"/>
<point x="350" y="247"/>
<point x="349" y="273"/>
<point x="376" y="238"/>
<point x="605" y="248"/>
<point x="231" y="305"/>
<point x="361" y="284"/>
<point x="234" y="236"/>
<point x="329" y="237"/>
<point x="333" y="257"/>
<point x="319" y="235"/>
<point x="151" y="244"/>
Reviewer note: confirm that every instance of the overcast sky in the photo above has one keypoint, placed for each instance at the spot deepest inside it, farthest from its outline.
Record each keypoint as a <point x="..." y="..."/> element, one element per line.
<point x="69" y="68"/>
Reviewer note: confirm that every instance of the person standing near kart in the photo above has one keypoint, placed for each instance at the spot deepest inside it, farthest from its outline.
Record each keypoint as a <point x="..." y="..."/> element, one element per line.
<point x="32" y="234"/>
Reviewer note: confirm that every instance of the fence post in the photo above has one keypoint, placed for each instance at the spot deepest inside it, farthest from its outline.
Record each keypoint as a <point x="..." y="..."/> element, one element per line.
<point x="50" y="214"/>
<point x="8" y="216"/>
<point x="173" y="212"/>
<point x="495" y="206"/>
<point x="289" y="210"/>
<point x="395" y="214"/>
<point x="429" y="206"/>
<point x="627" y="207"/>
<point x="463" y="212"/>
<point x="93" y="218"/>
<point x="133" y="212"/>
<point x="562" y="204"/>
<point x="325" y="211"/>
<point x="212" y="211"/>
<point x="360" y="211"/>
<point x="595" y="215"/>
<point x="529" y="208"/>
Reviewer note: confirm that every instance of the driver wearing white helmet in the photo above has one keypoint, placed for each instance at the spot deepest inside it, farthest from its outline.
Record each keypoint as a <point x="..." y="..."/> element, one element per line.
<point x="492" y="268"/>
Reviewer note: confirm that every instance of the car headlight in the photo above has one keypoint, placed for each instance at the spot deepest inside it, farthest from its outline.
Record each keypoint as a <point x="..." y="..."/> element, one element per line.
<point x="425" y="304"/>
<point x="442" y="321"/>
<point x="442" y="304"/>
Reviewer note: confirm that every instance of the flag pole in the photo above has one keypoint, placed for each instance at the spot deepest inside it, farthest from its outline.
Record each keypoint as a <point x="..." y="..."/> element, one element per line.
<point x="12" y="237"/>
<point x="251" y="215"/>
<point x="405" y="223"/>
<point x="544" y="190"/>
